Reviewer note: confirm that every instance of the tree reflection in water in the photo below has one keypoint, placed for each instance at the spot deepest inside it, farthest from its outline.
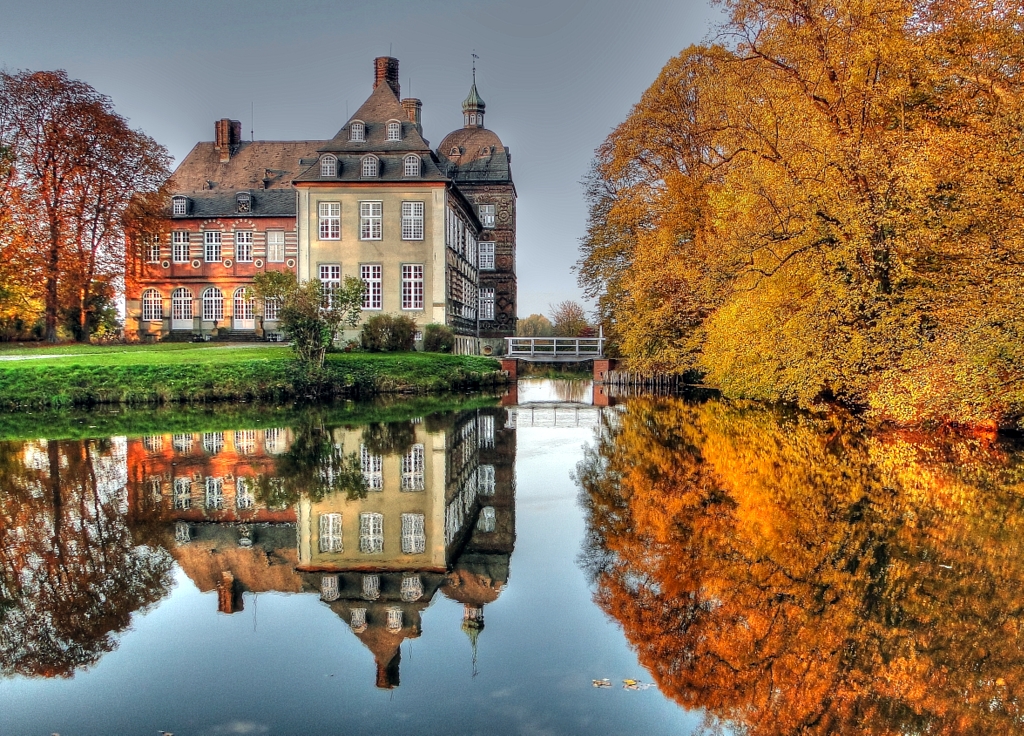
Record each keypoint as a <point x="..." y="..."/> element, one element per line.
<point x="71" y="571"/>
<point x="798" y="575"/>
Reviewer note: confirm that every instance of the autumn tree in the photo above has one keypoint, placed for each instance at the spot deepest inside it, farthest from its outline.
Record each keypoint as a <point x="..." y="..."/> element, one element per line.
<point x="569" y="319"/>
<point x="536" y="325"/>
<point x="74" y="169"/>
<point x="826" y="204"/>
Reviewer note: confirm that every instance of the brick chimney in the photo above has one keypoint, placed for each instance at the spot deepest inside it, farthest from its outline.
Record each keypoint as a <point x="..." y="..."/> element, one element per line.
<point x="414" y="108"/>
<point x="227" y="133"/>
<point x="385" y="69"/>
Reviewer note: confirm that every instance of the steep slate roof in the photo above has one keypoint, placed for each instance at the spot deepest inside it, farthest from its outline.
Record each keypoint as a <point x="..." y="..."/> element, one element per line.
<point x="250" y="162"/>
<point x="482" y="157"/>
<point x="221" y="203"/>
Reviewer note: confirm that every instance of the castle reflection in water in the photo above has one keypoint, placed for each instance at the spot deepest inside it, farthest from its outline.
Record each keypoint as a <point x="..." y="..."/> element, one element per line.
<point x="377" y="520"/>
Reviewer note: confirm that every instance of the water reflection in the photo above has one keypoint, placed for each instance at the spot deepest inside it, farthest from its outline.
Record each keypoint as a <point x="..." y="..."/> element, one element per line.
<point x="802" y="575"/>
<point x="376" y="520"/>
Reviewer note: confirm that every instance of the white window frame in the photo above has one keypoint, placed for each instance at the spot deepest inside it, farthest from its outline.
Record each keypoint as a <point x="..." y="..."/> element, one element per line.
<point x="243" y="304"/>
<point x="329" y="166"/>
<point x="414" y="537"/>
<point x="181" y="498"/>
<point x="182" y="301"/>
<point x="244" y="498"/>
<point x="213" y="305"/>
<point x="330" y="220"/>
<point x="372" y="468"/>
<point x="213" y="442"/>
<point x="331" y="539"/>
<point x="412" y="588"/>
<point x="152" y="306"/>
<point x="180" y="246"/>
<point x="488" y="215"/>
<point x="394" y="131"/>
<point x="412" y="220"/>
<point x="330" y="277"/>
<point x="275" y="247"/>
<point x="486" y="254"/>
<point x="413" y="467"/>
<point x="485" y="431"/>
<point x="486" y="294"/>
<point x="371" y="220"/>
<point x="357" y="131"/>
<point x="151" y="247"/>
<point x="412" y="165"/>
<point x="369" y="167"/>
<point x="179" y="205"/>
<point x="394" y="618"/>
<point x="412" y="286"/>
<point x="370" y="587"/>
<point x="487" y="521"/>
<point x="485" y="480"/>
<point x="372" y="275"/>
<point x="212" y="246"/>
<point x="371" y="533"/>
<point x="182" y="443"/>
<point x="243" y="246"/>
<point x="214" y="494"/>
<point x="271" y="310"/>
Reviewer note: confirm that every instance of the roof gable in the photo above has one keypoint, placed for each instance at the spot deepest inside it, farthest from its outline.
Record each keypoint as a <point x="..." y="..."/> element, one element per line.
<point x="381" y="106"/>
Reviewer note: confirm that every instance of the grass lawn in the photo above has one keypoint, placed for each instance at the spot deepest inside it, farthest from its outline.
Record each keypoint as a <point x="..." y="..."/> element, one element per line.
<point x="186" y="372"/>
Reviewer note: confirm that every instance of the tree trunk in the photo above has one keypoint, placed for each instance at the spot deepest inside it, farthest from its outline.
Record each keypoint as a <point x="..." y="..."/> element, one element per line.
<point x="52" y="269"/>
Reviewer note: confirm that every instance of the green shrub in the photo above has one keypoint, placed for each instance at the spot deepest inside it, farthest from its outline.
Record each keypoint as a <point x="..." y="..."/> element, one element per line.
<point x="438" y="339"/>
<point x="385" y="333"/>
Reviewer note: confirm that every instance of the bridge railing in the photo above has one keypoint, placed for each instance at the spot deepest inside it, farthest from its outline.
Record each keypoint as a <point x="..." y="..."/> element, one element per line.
<point x="555" y="348"/>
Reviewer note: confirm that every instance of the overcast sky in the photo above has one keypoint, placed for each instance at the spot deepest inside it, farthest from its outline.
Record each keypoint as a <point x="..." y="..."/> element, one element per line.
<point x="557" y="76"/>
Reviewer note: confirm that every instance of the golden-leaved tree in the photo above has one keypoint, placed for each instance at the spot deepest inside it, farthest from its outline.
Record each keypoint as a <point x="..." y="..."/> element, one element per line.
<point x="827" y="204"/>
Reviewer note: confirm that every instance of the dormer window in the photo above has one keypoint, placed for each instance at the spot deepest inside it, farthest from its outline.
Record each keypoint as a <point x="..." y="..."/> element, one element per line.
<point x="370" y="166"/>
<point x="357" y="132"/>
<point x="328" y="166"/>
<point x="179" y="205"/>
<point x="394" y="131"/>
<point x="243" y="202"/>
<point x="412" y="165"/>
<point x="455" y="151"/>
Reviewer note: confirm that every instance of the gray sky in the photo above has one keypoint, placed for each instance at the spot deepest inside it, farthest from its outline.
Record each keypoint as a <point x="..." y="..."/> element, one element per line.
<point x="557" y="76"/>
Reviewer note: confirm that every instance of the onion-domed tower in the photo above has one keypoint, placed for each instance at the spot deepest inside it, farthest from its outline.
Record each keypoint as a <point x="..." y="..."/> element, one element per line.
<point x="482" y="169"/>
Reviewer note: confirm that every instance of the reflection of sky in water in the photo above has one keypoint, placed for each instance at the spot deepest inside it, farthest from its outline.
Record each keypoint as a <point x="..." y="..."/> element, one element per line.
<point x="288" y="664"/>
<point x="541" y="389"/>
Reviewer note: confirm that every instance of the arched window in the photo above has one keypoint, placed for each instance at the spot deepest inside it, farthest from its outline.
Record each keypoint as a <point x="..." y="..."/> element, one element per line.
<point x="179" y="205"/>
<point x="213" y="305"/>
<point x="394" y="131"/>
<point x="152" y="305"/>
<point x="412" y="165"/>
<point x="181" y="309"/>
<point x="243" y="304"/>
<point x="328" y="166"/>
<point x="357" y="132"/>
<point x="370" y="166"/>
<point x="455" y="151"/>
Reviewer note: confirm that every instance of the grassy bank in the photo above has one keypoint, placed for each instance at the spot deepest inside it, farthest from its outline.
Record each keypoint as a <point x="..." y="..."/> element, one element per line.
<point x="152" y="375"/>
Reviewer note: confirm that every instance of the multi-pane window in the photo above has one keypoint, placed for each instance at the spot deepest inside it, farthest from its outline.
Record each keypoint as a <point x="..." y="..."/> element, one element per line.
<point x="372" y="467"/>
<point x="414" y="540"/>
<point x="182" y="443"/>
<point x="358" y="621"/>
<point x="213" y="305"/>
<point x="179" y="205"/>
<point x="485" y="480"/>
<point x="330" y="276"/>
<point x="412" y="165"/>
<point x="371" y="533"/>
<point x="329" y="588"/>
<point x="412" y="221"/>
<point x="152" y="305"/>
<point x="151" y="247"/>
<point x="394" y="619"/>
<point x="373" y="285"/>
<point x="412" y="286"/>
<point x="486" y="256"/>
<point x="243" y="304"/>
<point x="328" y="166"/>
<point x="182" y="533"/>
<point x="211" y="240"/>
<point x="357" y="132"/>
<point x="275" y="244"/>
<point x="486" y="303"/>
<point x="182" y="494"/>
<point x="273" y="440"/>
<point x="412" y="588"/>
<point x="271" y="307"/>
<point x="244" y="498"/>
<point x="486" y="431"/>
<point x="394" y="131"/>
<point x="153" y="442"/>
<point x="245" y="441"/>
<point x="371" y="215"/>
<point x="412" y="469"/>
<point x="371" y="587"/>
<point x="370" y="166"/>
<point x="213" y="442"/>
<point x="330" y="533"/>
<point x="179" y="246"/>
<point x="214" y="493"/>
<point x="486" y="522"/>
<point x="243" y="246"/>
<point x="181" y="304"/>
<point x="330" y="221"/>
<point x="487" y="215"/>
<point x="471" y="248"/>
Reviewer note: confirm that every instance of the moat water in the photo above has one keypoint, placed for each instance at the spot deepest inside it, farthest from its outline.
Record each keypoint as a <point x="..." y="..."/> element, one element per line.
<point x="535" y="564"/>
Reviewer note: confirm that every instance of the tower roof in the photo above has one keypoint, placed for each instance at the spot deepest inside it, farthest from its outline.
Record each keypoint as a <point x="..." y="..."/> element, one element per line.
<point x="473" y="103"/>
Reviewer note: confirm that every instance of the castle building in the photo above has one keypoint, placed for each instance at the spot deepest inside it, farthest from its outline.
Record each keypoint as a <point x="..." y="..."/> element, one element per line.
<point x="430" y="233"/>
